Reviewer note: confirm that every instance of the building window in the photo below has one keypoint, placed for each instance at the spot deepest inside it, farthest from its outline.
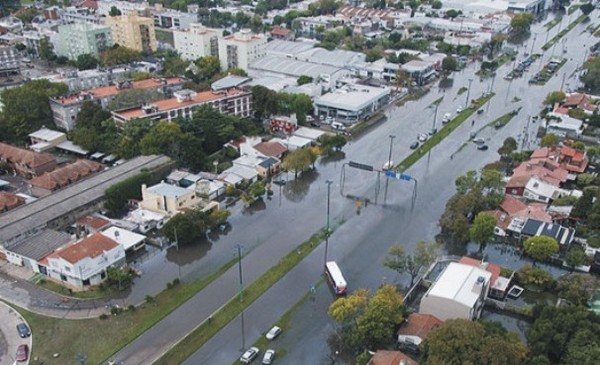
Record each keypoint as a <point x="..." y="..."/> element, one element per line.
<point x="63" y="277"/>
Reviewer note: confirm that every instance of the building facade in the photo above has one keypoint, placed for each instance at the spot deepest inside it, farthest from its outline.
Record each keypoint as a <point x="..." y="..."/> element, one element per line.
<point x="82" y="38"/>
<point x="133" y="31"/>
<point x="174" y="19"/>
<point x="167" y="199"/>
<point x="197" y="41"/>
<point x="240" y="49"/>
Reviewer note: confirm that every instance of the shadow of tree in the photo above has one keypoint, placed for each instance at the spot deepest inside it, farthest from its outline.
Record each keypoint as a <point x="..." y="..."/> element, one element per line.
<point x="296" y="190"/>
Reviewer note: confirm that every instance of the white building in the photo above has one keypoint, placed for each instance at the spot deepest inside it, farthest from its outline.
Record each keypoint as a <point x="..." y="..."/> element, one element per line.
<point x="167" y="199"/>
<point x="130" y="241"/>
<point x="240" y="49"/>
<point x="352" y="102"/>
<point x="174" y="19"/>
<point x="197" y="41"/>
<point x="146" y="220"/>
<point x="84" y="263"/>
<point x="459" y="292"/>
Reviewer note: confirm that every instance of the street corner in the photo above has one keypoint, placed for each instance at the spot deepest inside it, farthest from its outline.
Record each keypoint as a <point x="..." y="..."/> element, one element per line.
<point x="17" y="339"/>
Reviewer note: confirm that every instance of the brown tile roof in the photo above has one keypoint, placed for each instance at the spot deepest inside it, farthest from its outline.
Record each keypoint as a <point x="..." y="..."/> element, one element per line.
<point x="271" y="149"/>
<point x="96" y="223"/>
<point x="546" y="170"/>
<point x="384" y="357"/>
<point x="277" y="30"/>
<point x="91" y="246"/>
<point x="571" y="159"/>
<point x="419" y="325"/>
<point x="111" y="90"/>
<point x="173" y="103"/>
<point x="66" y="175"/>
<point x="512" y="205"/>
<point x="10" y="201"/>
<point x="23" y="156"/>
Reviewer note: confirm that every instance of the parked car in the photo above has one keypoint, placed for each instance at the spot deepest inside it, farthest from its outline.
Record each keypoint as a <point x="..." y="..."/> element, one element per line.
<point x="23" y="330"/>
<point x="422" y="137"/>
<point x="432" y="131"/>
<point x="447" y="118"/>
<point x="269" y="356"/>
<point x="249" y="355"/>
<point x="479" y="140"/>
<point x="273" y="332"/>
<point x="459" y="110"/>
<point x="22" y="353"/>
<point x="414" y="145"/>
<point x="482" y="147"/>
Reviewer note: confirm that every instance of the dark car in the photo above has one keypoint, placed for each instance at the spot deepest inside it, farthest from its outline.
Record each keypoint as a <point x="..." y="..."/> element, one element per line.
<point x="482" y="147"/>
<point x="23" y="330"/>
<point x="414" y="145"/>
<point x="22" y="353"/>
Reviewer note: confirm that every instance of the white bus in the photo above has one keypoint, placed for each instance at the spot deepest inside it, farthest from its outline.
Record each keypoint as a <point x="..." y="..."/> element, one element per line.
<point x="335" y="278"/>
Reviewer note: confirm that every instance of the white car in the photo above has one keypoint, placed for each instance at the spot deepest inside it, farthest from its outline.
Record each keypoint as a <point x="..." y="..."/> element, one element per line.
<point x="273" y="332"/>
<point x="269" y="356"/>
<point x="459" y="109"/>
<point x="447" y="118"/>
<point x="249" y="355"/>
<point x="422" y="137"/>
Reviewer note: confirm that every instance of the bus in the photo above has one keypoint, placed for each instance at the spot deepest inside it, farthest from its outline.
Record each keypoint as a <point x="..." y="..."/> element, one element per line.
<point x="335" y="278"/>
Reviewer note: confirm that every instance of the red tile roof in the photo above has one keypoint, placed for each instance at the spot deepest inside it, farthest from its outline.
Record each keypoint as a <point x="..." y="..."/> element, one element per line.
<point x="271" y="149"/>
<point x="96" y="223"/>
<point x="512" y="205"/>
<point x="546" y="170"/>
<point x="23" y="156"/>
<point x="66" y="175"/>
<point x="91" y="246"/>
<point x="419" y="325"/>
<point x="10" y="201"/>
<point x="384" y="357"/>
<point x="487" y="266"/>
<point x="280" y="31"/>
<point x="571" y="159"/>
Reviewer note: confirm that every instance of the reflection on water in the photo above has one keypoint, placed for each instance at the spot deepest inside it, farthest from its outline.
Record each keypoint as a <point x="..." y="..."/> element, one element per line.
<point x="186" y="254"/>
<point x="257" y="206"/>
<point x="512" y="323"/>
<point x="295" y="190"/>
<point x="335" y="156"/>
<point x="446" y="83"/>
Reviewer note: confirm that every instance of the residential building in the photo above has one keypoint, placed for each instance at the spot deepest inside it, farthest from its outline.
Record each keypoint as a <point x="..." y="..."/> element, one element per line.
<point x="512" y="211"/>
<point x="572" y="160"/>
<point x="61" y="177"/>
<point x="415" y="328"/>
<point x="182" y="105"/>
<point x="103" y="7"/>
<point x="421" y="72"/>
<point x="74" y="14"/>
<point x="66" y="206"/>
<point x="9" y="201"/>
<point x="174" y="19"/>
<point x="281" y="33"/>
<point x="26" y="162"/>
<point x="238" y="174"/>
<point x="133" y="31"/>
<point x="92" y="224"/>
<point x="9" y="61"/>
<point x="130" y="241"/>
<point x="84" y="263"/>
<point x="29" y="252"/>
<point x="499" y="284"/>
<point x="283" y="123"/>
<point x="46" y="139"/>
<point x="459" y="292"/>
<point x="352" y="102"/>
<point x="167" y="199"/>
<point x="82" y="38"/>
<point x="539" y="190"/>
<point x="196" y="41"/>
<point x="229" y="82"/>
<point x="545" y="169"/>
<point x="146" y="220"/>
<point x="385" y="357"/>
<point x="240" y="49"/>
<point x="66" y="108"/>
<point x="33" y="40"/>
<point x="563" y="235"/>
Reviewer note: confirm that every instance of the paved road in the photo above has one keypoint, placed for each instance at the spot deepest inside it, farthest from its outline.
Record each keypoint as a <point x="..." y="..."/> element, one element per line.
<point x="360" y="245"/>
<point x="9" y="337"/>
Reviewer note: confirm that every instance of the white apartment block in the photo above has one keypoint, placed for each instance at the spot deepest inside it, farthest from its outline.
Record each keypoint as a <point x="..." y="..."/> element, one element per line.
<point x="240" y="49"/>
<point x="76" y="39"/>
<point x="197" y="41"/>
<point x="174" y="19"/>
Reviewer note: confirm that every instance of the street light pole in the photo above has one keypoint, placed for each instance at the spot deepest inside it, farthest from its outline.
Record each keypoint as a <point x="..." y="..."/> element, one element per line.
<point x="468" y="93"/>
<point x="328" y="182"/>
<point x="437" y="105"/>
<point x="389" y="165"/>
<point x="239" y="249"/>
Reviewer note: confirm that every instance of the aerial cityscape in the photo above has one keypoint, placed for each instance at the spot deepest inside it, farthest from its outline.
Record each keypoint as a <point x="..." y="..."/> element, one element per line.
<point x="299" y="182"/>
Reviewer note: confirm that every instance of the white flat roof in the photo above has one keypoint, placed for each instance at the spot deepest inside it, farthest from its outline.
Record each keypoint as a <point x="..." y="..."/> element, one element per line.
<point x="168" y="190"/>
<point x="352" y="97"/>
<point x="143" y="215"/>
<point x="71" y="147"/>
<point x="46" y="134"/>
<point x="457" y="282"/>
<point x="125" y="238"/>
<point x="310" y="133"/>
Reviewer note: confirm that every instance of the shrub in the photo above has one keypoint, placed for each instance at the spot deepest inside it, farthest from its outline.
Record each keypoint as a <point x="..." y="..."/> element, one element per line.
<point x="103" y="316"/>
<point x="534" y="276"/>
<point x="149" y="299"/>
<point x="131" y="308"/>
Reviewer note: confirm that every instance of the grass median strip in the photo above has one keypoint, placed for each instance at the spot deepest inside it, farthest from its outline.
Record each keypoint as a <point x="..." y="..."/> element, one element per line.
<point x="198" y="337"/>
<point x="443" y="133"/>
<point x="562" y="33"/>
<point x="99" y="338"/>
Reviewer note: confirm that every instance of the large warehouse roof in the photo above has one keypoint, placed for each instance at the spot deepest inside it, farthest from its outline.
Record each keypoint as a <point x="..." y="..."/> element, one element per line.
<point x="286" y="66"/>
<point x="28" y="217"/>
<point x="352" y="97"/>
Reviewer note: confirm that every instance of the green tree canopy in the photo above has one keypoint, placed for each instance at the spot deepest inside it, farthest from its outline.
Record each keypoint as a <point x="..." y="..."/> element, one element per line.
<point x="208" y="67"/>
<point x="331" y="143"/>
<point x="540" y="247"/>
<point x="508" y="146"/>
<point x="398" y="260"/>
<point x="586" y="8"/>
<point x="555" y="97"/>
<point x="549" y="140"/>
<point x="303" y="79"/>
<point x="521" y="22"/>
<point x="187" y="227"/>
<point x="578" y="289"/>
<point x="449" y="63"/>
<point x="118" y="55"/>
<point x="163" y="138"/>
<point x="482" y="230"/>
<point x="297" y="161"/>
<point x="460" y="341"/>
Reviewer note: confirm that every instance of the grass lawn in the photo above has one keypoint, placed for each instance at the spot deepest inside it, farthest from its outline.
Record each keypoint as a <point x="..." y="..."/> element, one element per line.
<point x="553" y="23"/>
<point x="562" y="33"/>
<point x="86" y="294"/>
<point x="503" y="120"/>
<point x="198" y="337"/>
<point x="99" y="339"/>
<point x="462" y="90"/>
<point x="439" y="136"/>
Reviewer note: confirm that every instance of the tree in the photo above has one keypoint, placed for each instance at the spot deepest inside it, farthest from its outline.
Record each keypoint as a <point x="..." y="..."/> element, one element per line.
<point x="452" y="13"/>
<point x="482" y="230"/>
<point x="584" y="179"/>
<point x="162" y="138"/>
<point x="578" y="289"/>
<point x="521" y="22"/>
<point x="549" y="140"/>
<point x="466" y="182"/>
<point x="297" y="161"/>
<point x="114" y="11"/>
<point x="26" y="108"/>
<point x="449" y="64"/>
<point x="254" y="192"/>
<point x="584" y="204"/>
<point x="540" y="247"/>
<point x="46" y="51"/>
<point x="187" y="227"/>
<point x="118" y="55"/>
<point x="436" y="4"/>
<point x="208" y="67"/>
<point x="399" y="261"/>
<point x="86" y="62"/>
<point x="534" y="277"/>
<point x="575" y="257"/>
<point x="586" y="8"/>
<point x="555" y="97"/>
<point x="331" y="143"/>
<point x="303" y="79"/>
<point x="117" y="195"/>
<point x="591" y="78"/>
<point x="508" y="146"/>
<point x="265" y="101"/>
<point x="119" y="277"/>
<point x="460" y="341"/>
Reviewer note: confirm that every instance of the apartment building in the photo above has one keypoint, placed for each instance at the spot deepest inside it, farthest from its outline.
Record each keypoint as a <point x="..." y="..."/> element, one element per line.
<point x="242" y="48"/>
<point x="197" y="41"/>
<point x="174" y="19"/>
<point x="133" y="31"/>
<point x="76" y="39"/>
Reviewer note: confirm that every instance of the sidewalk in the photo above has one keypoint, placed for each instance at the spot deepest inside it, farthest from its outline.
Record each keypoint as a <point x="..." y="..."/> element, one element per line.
<point x="16" y="289"/>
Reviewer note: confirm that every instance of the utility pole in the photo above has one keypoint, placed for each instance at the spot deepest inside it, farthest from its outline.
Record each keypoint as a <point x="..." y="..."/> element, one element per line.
<point x="239" y="249"/>
<point x="468" y="93"/>
<point x="389" y="165"/>
<point x="177" y="245"/>
<point x="328" y="182"/>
